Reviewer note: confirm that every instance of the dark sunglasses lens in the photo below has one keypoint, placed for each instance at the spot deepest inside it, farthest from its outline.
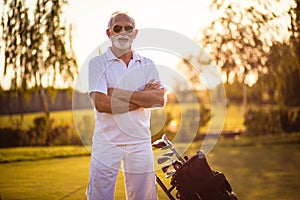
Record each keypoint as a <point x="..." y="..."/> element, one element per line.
<point x="129" y="29"/>
<point x="117" y="28"/>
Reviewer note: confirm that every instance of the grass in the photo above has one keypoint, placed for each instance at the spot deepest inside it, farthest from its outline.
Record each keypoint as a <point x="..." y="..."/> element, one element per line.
<point x="262" y="167"/>
<point x="265" y="167"/>
<point x="234" y="117"/>
<point x="8" y="155"/>
<point x="64" y="178"/>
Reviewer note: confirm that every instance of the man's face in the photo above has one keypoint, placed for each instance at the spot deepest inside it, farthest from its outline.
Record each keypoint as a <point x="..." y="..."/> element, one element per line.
<point x="122" y="32"/>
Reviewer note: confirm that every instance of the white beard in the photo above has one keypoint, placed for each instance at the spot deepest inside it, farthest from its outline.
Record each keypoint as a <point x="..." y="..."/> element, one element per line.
<point x="121" y="41"/>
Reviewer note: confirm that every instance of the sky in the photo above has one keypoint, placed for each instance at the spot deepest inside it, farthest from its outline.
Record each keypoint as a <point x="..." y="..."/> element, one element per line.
<point x="90" y="18"/>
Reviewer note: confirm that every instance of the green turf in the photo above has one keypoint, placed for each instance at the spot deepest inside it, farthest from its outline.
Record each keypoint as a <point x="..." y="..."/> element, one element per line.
<point x="261" y="171"/>
<point x="257" y="168"/>
<point x="45" y="179"/>
<point x="8" y="155"/>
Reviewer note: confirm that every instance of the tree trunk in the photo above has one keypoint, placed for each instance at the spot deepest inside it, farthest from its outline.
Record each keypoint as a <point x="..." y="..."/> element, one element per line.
<point x="45" y="102"/>
<point x="244" y="98"/>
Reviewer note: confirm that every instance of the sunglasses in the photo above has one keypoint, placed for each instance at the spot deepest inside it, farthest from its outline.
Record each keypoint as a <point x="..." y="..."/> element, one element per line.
<point x="118" y="28"/>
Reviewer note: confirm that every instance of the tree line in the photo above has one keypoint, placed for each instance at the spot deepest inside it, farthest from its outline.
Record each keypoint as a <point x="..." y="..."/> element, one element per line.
<point x="36" y="43"/>
<point x="257" y="39"/>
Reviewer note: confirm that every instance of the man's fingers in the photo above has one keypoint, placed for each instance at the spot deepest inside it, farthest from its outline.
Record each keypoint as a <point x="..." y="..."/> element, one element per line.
<point x="156" y="85"/>
<point x="152" y="85"/>
<point x="149" y="84"/>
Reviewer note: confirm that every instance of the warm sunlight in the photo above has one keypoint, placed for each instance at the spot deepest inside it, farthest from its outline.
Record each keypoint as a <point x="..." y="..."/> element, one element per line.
<point x="90" y="19"/>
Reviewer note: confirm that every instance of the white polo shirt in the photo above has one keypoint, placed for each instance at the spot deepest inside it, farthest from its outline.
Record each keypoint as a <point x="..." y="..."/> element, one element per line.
<point x="108" y="71"/>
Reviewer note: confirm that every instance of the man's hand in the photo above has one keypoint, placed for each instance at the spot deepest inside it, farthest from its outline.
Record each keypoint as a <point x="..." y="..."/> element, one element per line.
<point x="152" y="85"/>
<point x="158" y="94"/>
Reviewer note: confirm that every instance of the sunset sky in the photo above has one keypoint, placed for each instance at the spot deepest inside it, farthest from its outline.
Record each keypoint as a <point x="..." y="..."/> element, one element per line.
<point x="90" y="18"/>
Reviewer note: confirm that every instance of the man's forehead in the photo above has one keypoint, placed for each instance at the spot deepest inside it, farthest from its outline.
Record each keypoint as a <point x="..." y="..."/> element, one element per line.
<point x="122" y="18"/>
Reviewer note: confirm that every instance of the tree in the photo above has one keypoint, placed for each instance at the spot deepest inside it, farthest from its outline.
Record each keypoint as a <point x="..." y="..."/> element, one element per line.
<point x="284" y="63"/>
<point x="15" y="31"/>
<point x="239" y="38"/>
<point x="37" y="48"/>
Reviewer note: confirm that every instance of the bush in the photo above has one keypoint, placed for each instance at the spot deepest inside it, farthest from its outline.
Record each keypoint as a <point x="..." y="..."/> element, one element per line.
<point x="42" y="133"/>
<point x="272" y="120"/>
<point x="10" y="137"/>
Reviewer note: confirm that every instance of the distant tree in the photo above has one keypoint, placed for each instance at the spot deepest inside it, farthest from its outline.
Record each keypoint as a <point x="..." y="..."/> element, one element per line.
<point x="262" y="92"/>
<point x="284" y="63"/>
<point x="234" y="91"/>
<point x="15" y="27"/>
<point x="37" y="47"/>
<point x="239" y="38"/>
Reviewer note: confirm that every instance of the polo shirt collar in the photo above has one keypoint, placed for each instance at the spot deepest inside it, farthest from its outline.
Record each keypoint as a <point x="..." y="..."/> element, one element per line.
<point x="111" y="56"/>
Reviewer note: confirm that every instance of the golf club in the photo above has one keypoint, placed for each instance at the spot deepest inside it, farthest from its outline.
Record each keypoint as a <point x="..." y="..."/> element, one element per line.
<point x="170" y="154"/>
<point x="159" y="143"/>
<point x="163" y="159"/>
<point x="169" y="144"/>
<point x="170" y="173"/>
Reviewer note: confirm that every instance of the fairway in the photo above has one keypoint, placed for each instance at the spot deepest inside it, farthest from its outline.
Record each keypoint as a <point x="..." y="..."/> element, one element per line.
<point x="256" y="169"/>
<point x="64" y="178"/>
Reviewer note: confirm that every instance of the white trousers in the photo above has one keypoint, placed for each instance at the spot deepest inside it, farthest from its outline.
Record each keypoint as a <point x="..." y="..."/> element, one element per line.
<point x="138" y="171"/>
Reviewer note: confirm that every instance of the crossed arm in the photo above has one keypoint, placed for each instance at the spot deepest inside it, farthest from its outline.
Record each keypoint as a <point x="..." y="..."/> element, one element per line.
<point x="120" y="101"/>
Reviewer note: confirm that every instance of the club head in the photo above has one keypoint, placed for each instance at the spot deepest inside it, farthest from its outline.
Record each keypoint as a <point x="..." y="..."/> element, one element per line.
<point x="163" y="159"/>
<point x="170" y="154"/>
<point x="159" y="144"/>
<point x="170" y="173"/>
<point x="166" y="167"/>
<point x="165" y="148"/>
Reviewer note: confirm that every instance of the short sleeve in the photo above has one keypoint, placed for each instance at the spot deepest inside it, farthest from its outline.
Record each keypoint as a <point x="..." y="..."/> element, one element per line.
<point x="96" y="76"/>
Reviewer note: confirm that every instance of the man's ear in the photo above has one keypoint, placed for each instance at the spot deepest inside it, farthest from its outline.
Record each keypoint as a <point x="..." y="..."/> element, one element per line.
<point x="108" y="33"/>
<point x="136" y="31"/>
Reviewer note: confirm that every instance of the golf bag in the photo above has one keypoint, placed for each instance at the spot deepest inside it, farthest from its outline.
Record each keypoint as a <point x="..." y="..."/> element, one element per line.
<point x="192" y="177"/>
<point x="195" y="180"/>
